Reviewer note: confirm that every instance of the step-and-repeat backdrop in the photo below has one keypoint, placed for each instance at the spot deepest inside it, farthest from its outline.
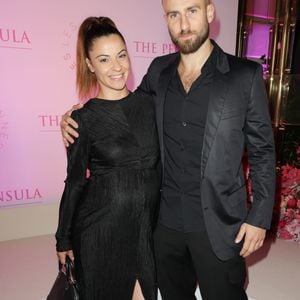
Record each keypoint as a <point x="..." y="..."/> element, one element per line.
<point x="37" y="80"/>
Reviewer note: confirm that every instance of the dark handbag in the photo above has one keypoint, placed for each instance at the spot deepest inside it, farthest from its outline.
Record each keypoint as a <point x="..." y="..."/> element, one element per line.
<point x="65" y="286"/>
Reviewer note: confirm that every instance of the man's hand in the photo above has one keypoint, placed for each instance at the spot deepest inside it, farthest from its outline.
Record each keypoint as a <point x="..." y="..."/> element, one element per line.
<point x="254" y="238"/>
<point x="66" y="122"/>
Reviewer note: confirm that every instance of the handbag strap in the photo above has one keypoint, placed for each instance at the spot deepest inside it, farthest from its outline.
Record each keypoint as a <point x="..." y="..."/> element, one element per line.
<point x="69" y="268"/>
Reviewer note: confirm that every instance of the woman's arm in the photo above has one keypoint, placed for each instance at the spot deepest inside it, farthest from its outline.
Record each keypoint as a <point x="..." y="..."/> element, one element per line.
<point x="77" y="155"/>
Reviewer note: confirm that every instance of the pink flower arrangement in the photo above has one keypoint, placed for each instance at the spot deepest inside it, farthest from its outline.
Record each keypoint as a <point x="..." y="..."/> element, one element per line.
<point x="289" y="219"/>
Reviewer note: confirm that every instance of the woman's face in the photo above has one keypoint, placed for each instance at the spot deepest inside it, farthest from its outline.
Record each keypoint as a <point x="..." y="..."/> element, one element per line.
<point x="110" y="62"/>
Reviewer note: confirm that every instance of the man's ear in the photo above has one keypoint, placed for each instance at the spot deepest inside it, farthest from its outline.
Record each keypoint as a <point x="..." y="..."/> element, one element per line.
<point x="210" y="12"/>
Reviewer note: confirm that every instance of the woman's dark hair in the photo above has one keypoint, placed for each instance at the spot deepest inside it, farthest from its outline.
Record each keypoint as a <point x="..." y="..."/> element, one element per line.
<point x="90" y="29"/>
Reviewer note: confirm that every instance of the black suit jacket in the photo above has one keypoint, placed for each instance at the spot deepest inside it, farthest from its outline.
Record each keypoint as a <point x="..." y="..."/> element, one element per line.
<point x="237" y="117"/>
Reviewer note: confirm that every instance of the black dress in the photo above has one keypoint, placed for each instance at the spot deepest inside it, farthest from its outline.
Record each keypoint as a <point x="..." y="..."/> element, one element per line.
<point x="108" y="217"/>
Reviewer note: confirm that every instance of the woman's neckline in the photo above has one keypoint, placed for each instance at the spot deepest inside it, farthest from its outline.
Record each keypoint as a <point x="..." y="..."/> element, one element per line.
<point x="112" y="100"/>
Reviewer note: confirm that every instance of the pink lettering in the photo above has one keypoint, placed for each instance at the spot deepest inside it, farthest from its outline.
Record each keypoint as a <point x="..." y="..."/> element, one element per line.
<point x="4" y="38"/>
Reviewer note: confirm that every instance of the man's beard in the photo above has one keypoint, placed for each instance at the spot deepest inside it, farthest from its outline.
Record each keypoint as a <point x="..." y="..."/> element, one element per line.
<point x="190" y="46"/>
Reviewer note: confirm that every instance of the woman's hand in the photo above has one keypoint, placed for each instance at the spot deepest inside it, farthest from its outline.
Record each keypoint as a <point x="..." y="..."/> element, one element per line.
<point x="62" y="256"/>
<point x="67" y="125"/>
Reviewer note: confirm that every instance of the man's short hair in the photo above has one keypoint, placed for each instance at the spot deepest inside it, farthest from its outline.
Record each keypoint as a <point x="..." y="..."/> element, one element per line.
<point x="206" y="2"/>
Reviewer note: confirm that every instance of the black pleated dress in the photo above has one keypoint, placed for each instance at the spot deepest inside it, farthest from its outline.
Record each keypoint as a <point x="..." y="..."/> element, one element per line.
<point x="108" y="217"/>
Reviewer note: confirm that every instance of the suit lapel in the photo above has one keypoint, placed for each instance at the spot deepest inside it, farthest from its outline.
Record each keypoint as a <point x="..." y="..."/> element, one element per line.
<point x="215" y="108"/>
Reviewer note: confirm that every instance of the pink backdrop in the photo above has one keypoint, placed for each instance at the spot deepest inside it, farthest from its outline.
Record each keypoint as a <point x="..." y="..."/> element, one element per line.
<point x="37" y="59"/>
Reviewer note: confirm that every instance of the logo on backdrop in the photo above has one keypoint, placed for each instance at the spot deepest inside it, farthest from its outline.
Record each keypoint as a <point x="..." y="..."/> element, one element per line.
<point x="68" y="44"/>
<point x="48" y="123"/>
<point x="146" y="49"/>
<point x="3" y="130"/>
<point x="15" y="39"/>
<point x="20" y="197"/>
<point x="142" y="49"/>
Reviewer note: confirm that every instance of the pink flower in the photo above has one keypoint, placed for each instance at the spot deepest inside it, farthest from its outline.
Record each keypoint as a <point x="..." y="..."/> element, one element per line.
<point x="289" y="193"/>
<point x="292" y="203"/>
<point x="290" y="213"/>
<point x="284" y="234"/>
<point x="281" y="224"/>
<point x="290" y="173"/>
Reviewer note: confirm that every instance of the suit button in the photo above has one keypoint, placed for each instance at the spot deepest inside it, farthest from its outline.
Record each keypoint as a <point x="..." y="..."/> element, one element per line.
<point x="184" y="124"/>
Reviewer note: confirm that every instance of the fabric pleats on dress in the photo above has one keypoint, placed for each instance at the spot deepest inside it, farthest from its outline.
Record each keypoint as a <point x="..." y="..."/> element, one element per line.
<point x="108" y="218"/>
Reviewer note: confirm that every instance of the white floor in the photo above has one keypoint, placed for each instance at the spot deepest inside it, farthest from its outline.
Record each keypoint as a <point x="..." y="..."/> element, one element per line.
<point x="274" y="271"/>
<point x="28" y="268"/>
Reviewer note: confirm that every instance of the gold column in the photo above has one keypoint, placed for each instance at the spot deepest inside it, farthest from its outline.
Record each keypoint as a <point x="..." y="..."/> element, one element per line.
<point x="273" y="50"/>
<point x="240" y="29"/>
<point x="282" y="61"/>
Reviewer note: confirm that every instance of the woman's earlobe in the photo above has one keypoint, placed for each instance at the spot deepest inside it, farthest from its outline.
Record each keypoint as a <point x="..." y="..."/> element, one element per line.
<point x="88" y="63"/>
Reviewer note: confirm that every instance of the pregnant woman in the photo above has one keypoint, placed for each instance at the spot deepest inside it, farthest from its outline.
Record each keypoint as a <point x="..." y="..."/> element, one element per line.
<point x="106" y="219"/>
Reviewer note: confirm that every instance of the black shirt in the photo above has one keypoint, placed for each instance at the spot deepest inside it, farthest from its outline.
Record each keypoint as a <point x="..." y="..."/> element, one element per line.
<point x="184" y="125"/>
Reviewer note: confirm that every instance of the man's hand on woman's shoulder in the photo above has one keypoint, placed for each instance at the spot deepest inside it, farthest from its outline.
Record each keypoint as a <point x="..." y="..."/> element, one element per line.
<point x="68" y="126"/>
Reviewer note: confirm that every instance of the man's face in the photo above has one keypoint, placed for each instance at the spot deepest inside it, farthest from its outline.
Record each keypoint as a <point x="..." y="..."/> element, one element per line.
<point x="188" y="23"/>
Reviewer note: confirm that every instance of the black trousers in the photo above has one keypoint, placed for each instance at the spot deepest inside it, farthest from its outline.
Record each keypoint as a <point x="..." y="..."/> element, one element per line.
<point x="185" y="259"/>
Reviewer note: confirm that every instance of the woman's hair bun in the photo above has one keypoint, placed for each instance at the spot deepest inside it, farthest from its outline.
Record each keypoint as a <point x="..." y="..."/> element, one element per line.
<point x="107" y="21"/>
